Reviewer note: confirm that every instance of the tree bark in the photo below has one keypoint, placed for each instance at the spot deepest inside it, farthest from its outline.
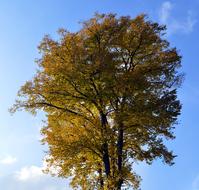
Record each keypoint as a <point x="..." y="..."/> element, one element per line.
<point x="106" y="159"/>
<point x="120" y="143"/>
<point x="105" y="146"/>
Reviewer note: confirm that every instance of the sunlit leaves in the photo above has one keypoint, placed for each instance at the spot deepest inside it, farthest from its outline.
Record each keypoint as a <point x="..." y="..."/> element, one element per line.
<point x="109" y="92"/>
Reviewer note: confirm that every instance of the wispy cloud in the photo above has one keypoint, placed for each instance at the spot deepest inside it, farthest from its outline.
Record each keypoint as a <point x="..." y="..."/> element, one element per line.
<point x="184" y="25"/>
<point x="165" y="11"/>
<point x="195" y="184"/>
<point x="8" y="160"/>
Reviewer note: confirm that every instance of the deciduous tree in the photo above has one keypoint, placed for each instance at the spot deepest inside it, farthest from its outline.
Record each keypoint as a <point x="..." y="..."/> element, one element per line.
<point x="109" y="92"/>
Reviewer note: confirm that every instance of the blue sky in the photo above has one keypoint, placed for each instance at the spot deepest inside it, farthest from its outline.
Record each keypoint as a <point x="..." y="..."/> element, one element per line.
<point x="22" y="26"/>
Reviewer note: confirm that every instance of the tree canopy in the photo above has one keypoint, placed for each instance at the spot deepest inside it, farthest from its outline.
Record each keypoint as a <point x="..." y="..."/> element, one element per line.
<point x="109" y="92"/>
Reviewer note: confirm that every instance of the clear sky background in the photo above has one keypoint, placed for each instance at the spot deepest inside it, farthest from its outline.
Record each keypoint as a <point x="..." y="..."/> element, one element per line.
<point x="22" y="26"/>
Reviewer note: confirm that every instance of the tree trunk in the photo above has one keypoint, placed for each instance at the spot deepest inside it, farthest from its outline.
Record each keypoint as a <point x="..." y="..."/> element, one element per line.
<point x="120" y="143"/>
<point x="105" y="146"/>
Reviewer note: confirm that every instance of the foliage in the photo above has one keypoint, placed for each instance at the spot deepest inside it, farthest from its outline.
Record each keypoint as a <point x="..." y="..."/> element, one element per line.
<point x="109" y="92"/>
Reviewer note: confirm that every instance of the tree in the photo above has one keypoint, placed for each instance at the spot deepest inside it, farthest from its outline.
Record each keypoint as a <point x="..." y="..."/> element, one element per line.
<point x="109" y="92"/>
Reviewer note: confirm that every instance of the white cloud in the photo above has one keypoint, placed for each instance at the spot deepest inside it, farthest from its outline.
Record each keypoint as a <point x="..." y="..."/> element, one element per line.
<point x="195" y="184"/>
<point x="29" y="173"/>
<point x="35" y="173"/>
<point x="165" y="11"/>
<point x="8" y="160"/>
<point x="190" y="21"/>
<point x="174" y="25"/>
<point x="40" y="182"/>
